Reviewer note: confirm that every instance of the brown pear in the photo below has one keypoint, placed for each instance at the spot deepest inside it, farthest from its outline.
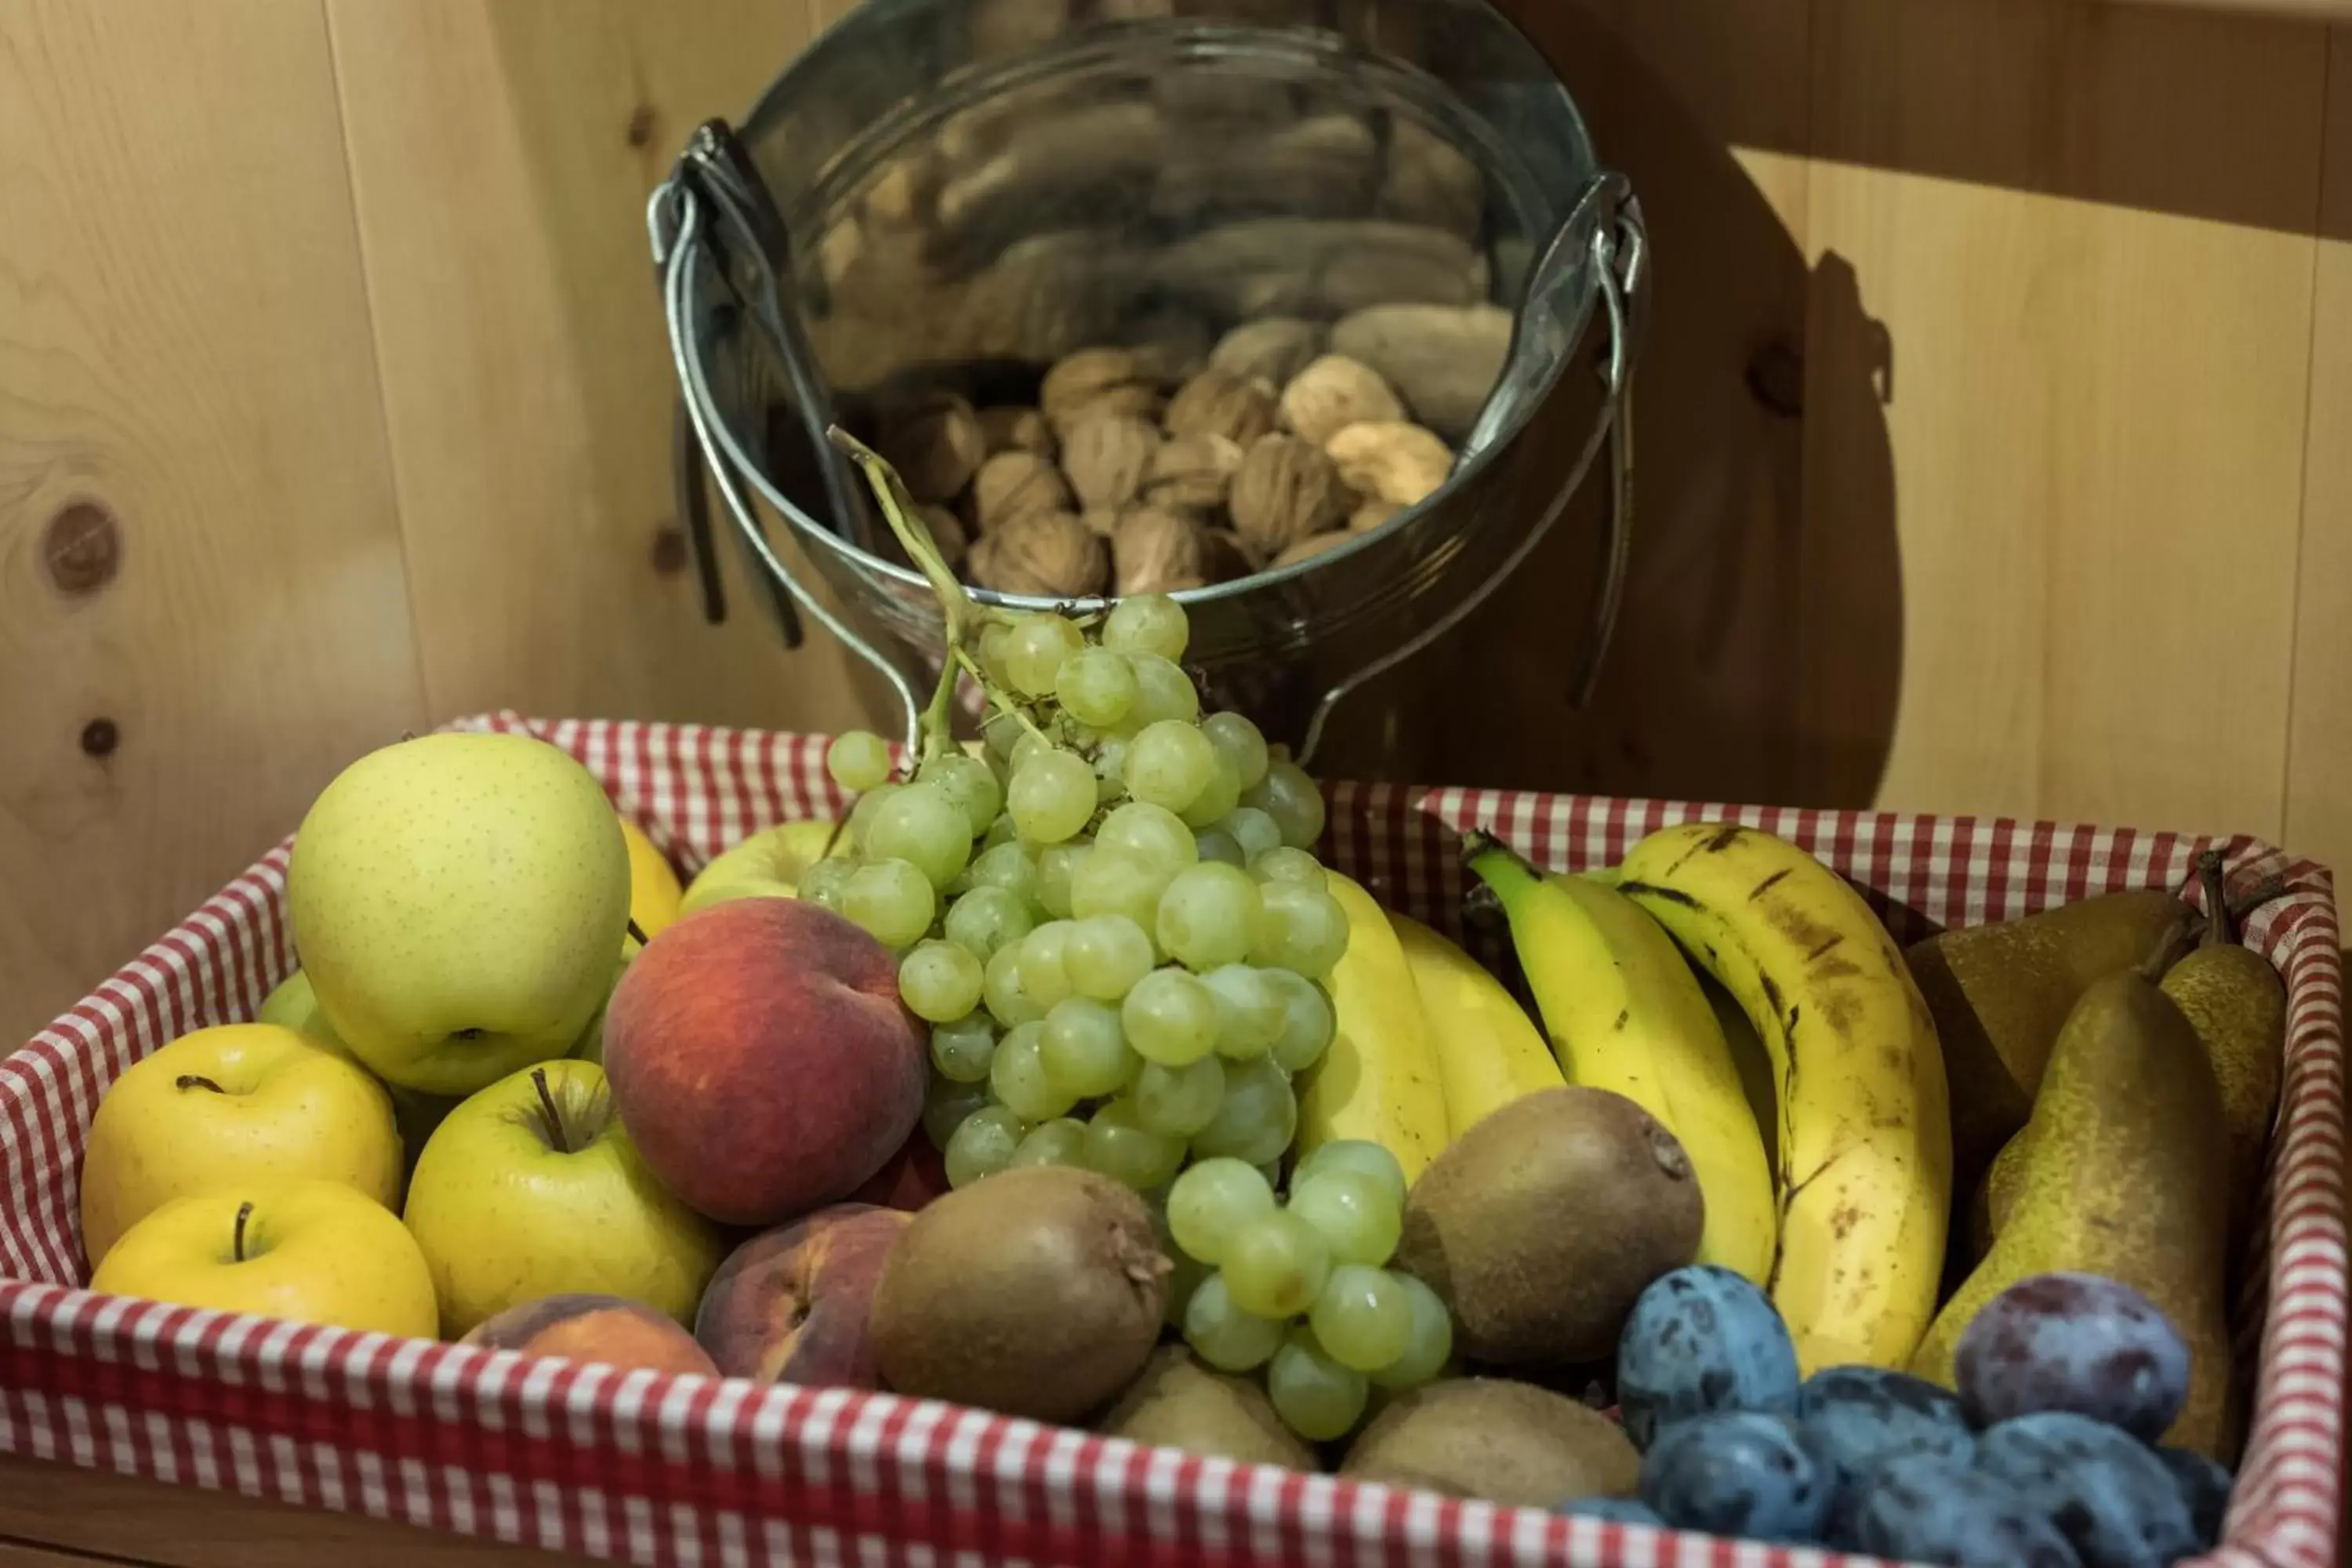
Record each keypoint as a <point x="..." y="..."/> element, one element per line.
<point x="1998" y="994"/>
<point x="2237" y="1004"/>
<point x="2122" y="1174"/>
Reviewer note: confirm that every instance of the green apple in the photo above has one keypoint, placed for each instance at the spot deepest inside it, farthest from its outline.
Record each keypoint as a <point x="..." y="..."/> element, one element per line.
<point x="767" y="865"/>
<point x="533" y="1188"/>
<point x="294" y="1005"/>
<point x="589" y="1046"/>
<point x="457" y="901"/>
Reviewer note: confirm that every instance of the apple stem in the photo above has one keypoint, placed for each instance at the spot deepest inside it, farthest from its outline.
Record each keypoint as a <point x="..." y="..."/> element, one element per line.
<point x="237" y="1242"/>
<point x="555" y="1133"/>
<point x="193" y="1081"/>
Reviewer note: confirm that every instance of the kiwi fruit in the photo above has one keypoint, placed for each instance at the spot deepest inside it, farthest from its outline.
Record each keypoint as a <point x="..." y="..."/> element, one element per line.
<point x="1034" y="1292"/>
<point x="1498" y="1441"/>
<point x="1180" y="1404"/>
<point x="1541" y="1225"/>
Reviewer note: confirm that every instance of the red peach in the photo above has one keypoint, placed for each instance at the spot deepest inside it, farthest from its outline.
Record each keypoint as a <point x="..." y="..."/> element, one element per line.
<point x="613" y="1329"/>
<point x="762" y="1060"/>
<point x="789" y="1305"/>
<point x="916" y="1174"/>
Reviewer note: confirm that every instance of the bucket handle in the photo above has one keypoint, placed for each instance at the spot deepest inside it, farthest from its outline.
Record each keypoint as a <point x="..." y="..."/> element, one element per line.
<point x="1619" y="251"/>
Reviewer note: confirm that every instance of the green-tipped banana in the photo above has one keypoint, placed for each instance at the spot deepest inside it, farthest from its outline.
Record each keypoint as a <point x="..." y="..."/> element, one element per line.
<point x="1624" y="1013"/>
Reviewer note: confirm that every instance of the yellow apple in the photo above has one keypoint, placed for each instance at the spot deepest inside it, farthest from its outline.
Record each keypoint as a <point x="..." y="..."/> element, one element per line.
<point x="241" y="1102"/>
<point x="533" y="1188"/>
<point x="314" y="1251"/>
<point x="654" y="892"/>
<point x="767" y="865"/>
<point x="457" y="901"/>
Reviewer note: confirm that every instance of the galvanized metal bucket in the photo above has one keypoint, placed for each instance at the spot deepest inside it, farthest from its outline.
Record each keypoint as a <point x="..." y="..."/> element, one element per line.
<point x="1104" y="167"/>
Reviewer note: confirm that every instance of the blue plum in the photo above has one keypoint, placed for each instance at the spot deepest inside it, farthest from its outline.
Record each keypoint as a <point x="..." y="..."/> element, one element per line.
<point x="1931" y="1508"/>
<point x="2078" y="1342"/>
<point x="1740" y="1473"/>
<point x="1854" y="1418"/>
<point x="1615" y="1509"/>
<point x="1701" y="1338"/>
<point x="2204" y="1487"/>
<point x="2107" y="1492"/>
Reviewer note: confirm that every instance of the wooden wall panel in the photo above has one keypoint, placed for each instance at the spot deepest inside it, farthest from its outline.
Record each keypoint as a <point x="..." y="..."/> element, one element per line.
<point x="185" y="346"/>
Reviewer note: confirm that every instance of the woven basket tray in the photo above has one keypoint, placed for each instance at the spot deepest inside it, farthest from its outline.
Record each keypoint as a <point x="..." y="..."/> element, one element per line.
<point x="665" y="1470"/>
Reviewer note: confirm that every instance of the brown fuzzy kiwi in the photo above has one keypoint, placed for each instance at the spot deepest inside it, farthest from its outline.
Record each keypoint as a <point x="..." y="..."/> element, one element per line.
<point x="1180" y="1404"/>
<point x="1541" y="1225"/>
<point x="1498" y="1441"/>
<point x="1035" y="1293"/>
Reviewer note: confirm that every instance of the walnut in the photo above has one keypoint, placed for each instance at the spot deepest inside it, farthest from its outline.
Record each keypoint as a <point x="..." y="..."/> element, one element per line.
<point x="1102" y="521"/>
<point x="1390" y="460"/>
<point x="1217" y="402"/>
<point x="1012" y="483"/>
<point x="1192" y="473"/>
<point x="1009" y="430"/>
<point x="1372" y="514"/>
<point x="1310" y="547"/>
<point x="1152" y="548"/>
<point x="1274" y="349"/>
<point x="947" y="533"/>
<point x="1286" y="490"/>
<point x="1106" y="456"/>
<point x="935" y="443"/>
<point x="1223" y="556"/>
<point x="1334" y="393"/>
<point x="1098" y="381"/>
<point x="1050" y="554"/>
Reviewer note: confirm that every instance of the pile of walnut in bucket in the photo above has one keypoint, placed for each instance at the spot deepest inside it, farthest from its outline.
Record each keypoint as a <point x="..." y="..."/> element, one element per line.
<point x="1127" y="479"/>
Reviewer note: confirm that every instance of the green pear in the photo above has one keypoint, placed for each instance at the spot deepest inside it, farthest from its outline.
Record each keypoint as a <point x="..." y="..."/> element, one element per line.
<point x="457" y="901"/>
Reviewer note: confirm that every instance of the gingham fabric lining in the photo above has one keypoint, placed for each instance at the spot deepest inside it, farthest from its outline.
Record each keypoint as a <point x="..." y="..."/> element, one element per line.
<point x="688" y="1471"/>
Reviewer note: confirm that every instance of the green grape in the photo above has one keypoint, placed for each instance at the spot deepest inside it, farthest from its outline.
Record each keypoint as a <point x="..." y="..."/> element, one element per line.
<point x="1211" y="1202"/>
<point x="945" y="1105"/>
<point x="1239" y="742"/>
<point x="1352" y="1211"/>
<point x="968" y="781"/>
<point x="1257" y="1118"/>
<point x="1017" y="1076"/>
<point x="1218" y="798"/>
<point x="1207" y="917"/>
<point x="859" y="761"/>
<point x="1106" y="955"/>
<point x="1057" y="869"/>
<point x="1362" y="1317"/>
<point x="995" y="649"/>
<point x="1291" y="797"/>
<point x="1275" y="1265"/>
<point x="1253" y="830"/>
<point x="1169" y="763"/>
<point x="861" y="816"/>
<point x="982" y="1145"/>
<point x="1044" y="980"/>
<point x="1006" y="865"/>
<point x="1171" y="1018"/>
<point x="1147" y="623"/>
<point x="1250" y="1009"/>
<point x="1178" y="1101"/>
<point x="986" y="919"/>
<point x="1152" y="834"/>
<point x="1120" y="1147"/>
<point x="892" y="900"/>
<point x="960" y="1050"/>
<point x="1299" y="928"/>
<point x="1307" y="1021"/>
<point x="1116" y="882"/>
<point x="939" y="981"/>
<point x="1162" y="692"/>
<point x="1431" y="1346"/>
<point x="823" y="883"/>
<point x="1096" y="686"/>
<point x="1222" y="1334"/>
<point x="1029" y="744"/>
<point x="1184" y="1278"/>
<point x="1000" y="831"/>
<point x="1034" y="653"/>
<point x="1284" y="864"/>
<point x="1060" y="1142"/>
<point x="1110" y="769"/>
<point x="1315" y="1395"/>
<point x="922" y="826"/>
<point x="1052" y="797"/>
<point x="1083" y="1050"/>
<point x="1217" y="844"/>
<point x="1000" y="986"/>
<point x="1362" y="1157"/>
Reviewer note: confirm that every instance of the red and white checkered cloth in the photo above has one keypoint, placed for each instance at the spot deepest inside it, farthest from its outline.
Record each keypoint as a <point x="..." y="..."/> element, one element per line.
<point x="688" y="1471"/>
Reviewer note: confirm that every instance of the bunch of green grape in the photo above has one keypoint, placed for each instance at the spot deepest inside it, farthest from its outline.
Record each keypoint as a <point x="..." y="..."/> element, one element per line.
<point x="1111" y="920"/>
<point x="1299" y="1288"/>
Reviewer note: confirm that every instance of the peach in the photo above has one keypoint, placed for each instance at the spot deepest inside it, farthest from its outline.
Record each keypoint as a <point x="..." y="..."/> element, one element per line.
<point x="916" y="1174"/>
<point x="613" y="1329"/>
<point x="762" y="1059"/>
<point x="789" y="1305"/>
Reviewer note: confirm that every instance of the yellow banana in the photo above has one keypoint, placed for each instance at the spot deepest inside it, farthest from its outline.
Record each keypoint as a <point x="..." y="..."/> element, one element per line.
<point x="1625" y="1013"/>
<point x="1489" y="1053"/>
<point x="1380" y="1080"/>
<point x="1865" y="1140"/>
